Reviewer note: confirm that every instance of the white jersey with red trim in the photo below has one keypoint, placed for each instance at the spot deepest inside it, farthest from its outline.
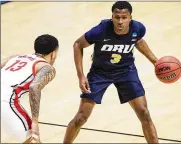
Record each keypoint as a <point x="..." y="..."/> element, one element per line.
<point x="16" y="76"/>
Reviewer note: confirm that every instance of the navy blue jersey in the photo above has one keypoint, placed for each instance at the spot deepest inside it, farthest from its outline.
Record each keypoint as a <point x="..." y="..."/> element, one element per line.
<point x="113" y="52"/>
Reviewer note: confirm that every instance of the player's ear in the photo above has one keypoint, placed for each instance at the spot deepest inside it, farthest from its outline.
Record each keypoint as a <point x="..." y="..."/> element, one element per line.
<point x="131" y="17"/>
<point x="51" y="55"/>
<point x="54" y="53"/>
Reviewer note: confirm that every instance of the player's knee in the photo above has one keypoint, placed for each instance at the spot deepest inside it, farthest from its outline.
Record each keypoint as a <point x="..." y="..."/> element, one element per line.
<point x="80" y="119"/>
<point x="144" y="115"/>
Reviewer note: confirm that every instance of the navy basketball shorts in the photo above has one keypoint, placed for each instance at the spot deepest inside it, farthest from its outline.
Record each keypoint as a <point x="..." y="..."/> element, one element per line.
<point x="128" y="85"/>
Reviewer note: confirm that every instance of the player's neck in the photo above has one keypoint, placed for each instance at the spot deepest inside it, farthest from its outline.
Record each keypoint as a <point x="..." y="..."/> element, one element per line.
<point x="121" y="32"/>
<point x="42" y="56"/>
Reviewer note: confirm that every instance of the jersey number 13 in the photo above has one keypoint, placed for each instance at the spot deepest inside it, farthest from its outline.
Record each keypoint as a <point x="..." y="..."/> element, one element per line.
<point x="16" y="66"/>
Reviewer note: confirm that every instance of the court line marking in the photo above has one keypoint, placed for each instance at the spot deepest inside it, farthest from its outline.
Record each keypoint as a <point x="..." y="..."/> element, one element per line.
<point x="105" y="131"/>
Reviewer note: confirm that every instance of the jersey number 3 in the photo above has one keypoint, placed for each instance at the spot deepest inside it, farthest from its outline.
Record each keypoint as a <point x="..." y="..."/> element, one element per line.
<point x="16" y="66"/>
<point x="115" y="58"/>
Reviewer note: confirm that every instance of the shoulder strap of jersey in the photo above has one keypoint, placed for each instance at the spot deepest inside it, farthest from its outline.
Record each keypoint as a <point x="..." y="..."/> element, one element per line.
<point x="33" y="67"/>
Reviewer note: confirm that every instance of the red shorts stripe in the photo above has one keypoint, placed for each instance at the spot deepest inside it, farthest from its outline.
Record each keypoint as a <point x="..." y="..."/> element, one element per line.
<point x="23" y="113"/>
<point x="18" y="106"/>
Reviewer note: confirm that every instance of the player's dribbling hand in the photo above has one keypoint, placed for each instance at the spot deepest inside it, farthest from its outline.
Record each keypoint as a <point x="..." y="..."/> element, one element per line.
<point x="84" y="85"/>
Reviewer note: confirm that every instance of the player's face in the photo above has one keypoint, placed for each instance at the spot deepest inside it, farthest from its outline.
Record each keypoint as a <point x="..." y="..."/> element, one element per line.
<point x="53" y="56"/>
<point x="121" y="20"/>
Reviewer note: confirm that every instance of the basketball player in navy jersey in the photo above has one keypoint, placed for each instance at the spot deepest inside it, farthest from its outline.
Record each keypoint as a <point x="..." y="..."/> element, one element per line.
<point x="113" y="63"/>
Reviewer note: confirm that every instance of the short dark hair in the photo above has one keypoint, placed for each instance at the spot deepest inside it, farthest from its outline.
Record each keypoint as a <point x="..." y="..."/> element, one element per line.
<point x="45" y="44"/>
<point x="122" y="5"/>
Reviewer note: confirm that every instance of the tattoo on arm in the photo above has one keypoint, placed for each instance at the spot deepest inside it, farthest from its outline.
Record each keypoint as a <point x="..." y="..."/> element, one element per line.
<point x="42" y="78"/>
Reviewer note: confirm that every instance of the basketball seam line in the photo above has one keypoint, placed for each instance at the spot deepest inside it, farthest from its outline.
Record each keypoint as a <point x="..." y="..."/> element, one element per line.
<point x="167" y="62"/>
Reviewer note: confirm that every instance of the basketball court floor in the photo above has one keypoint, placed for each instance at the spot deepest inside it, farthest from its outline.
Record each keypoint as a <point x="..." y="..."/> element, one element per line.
<point x="22" y="22"/>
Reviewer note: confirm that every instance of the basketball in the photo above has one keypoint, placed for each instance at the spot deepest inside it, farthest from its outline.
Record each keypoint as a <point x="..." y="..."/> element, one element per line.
<point x="168" y="69"/>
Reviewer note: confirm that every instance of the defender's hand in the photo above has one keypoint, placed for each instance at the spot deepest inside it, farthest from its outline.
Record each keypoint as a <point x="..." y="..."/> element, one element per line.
<point x="35" y="139"/>
<point x="84" y="85"/>
<point x="35" y="135"/>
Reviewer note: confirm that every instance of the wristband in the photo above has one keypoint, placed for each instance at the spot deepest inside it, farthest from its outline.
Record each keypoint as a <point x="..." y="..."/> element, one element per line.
<point x="35" y="136"/>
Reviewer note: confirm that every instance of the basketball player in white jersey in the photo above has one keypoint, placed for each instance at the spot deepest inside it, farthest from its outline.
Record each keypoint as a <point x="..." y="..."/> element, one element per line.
<point x="21" y="74"/>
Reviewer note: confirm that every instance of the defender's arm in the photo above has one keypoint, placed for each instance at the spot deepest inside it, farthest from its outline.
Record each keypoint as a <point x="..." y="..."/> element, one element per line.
<point x="4" y="61"/>
<point x="42" y="78"/>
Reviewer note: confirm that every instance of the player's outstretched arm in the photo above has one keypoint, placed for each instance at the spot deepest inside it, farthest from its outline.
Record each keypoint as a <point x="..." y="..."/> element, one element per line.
<point x="42" y="78"/>
<point x="142" y="46"/>
<point x="4" y="61"/>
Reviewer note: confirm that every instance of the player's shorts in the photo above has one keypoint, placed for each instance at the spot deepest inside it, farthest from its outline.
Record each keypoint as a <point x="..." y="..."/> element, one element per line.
<point x="15" y="122"/>
<point x="128" y="85"/>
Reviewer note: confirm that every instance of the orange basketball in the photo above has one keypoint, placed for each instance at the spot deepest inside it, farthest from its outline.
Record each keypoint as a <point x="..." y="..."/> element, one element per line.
<point x="168" y="69"/>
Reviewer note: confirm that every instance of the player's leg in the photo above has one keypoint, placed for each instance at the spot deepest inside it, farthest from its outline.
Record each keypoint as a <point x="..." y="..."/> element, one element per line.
<point x="85" y="110"/>
<point x="16" y="122"/>
<point x="139" y="105"/>
<point x="98" y="85"/>
<point x="130" y="90"/>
